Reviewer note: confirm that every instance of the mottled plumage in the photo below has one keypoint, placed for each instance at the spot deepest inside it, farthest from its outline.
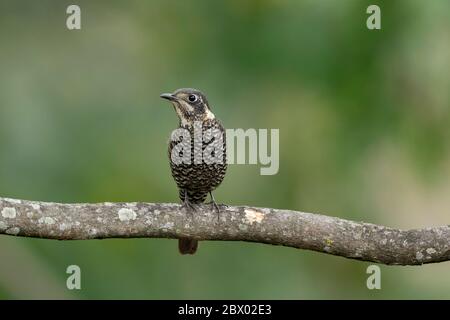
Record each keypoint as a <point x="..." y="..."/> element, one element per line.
<point x="196" y="180"/>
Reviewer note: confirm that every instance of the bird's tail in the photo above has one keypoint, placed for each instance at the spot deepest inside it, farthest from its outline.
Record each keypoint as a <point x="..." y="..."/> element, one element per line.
<point x="187" y="246"/>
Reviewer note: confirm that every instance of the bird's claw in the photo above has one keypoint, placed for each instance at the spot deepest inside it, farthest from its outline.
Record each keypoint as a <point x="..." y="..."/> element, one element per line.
<point x="190" y="208"/>
<point x="215" y="206"/>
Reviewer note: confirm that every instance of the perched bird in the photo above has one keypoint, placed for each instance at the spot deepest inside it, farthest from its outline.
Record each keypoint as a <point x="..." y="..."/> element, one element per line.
<point x="203" y="155"/>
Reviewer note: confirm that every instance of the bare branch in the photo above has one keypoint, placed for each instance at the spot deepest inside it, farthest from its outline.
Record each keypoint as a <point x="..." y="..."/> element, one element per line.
<point x="355" y="240"/>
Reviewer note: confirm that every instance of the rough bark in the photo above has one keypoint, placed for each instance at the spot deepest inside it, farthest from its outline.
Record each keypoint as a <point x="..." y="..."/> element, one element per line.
<point x="355" y="240"/>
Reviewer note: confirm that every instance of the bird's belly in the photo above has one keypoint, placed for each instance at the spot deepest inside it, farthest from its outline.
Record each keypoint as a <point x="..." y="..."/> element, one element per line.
<point x="205" y="177"/>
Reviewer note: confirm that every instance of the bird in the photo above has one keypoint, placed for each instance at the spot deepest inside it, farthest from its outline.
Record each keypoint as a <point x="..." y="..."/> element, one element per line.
<point x="195" y="177"/>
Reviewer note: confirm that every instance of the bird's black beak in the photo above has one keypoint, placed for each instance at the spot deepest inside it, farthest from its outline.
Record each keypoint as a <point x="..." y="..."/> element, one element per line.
<point x="168" y="96"/>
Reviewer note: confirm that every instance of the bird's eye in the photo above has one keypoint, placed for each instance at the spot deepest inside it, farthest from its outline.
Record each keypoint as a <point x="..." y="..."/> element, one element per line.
<point x="192" y="98"/>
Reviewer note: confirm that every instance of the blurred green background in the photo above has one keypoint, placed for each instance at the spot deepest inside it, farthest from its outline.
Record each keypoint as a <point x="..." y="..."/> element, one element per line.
<point x="364" y="134"/>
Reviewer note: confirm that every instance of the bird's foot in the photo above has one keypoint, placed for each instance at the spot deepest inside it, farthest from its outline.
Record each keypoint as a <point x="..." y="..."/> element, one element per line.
<point x="215" y="206"/>
<point x="190" y="207"/>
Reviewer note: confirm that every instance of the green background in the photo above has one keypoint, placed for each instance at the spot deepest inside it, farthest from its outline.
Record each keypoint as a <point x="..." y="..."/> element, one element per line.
<point x="364" y="134"/>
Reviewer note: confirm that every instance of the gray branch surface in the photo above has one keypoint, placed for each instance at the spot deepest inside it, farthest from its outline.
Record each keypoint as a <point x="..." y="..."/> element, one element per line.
<point x="355" y="240"/>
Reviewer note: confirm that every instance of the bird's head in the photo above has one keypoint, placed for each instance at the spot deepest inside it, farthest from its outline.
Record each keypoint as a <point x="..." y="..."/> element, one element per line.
<point x="190" y="104"/>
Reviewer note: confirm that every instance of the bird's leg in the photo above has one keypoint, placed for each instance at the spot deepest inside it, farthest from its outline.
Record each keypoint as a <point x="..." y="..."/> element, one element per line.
<point x="187" y="204"/>
<point x="214" y="204"/>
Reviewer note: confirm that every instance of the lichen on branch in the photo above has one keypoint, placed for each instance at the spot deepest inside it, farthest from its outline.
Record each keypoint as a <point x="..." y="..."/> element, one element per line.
<point x="349" y="239"/>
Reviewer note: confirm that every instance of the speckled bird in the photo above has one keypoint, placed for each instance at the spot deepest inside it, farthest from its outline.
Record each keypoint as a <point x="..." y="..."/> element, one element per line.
<point x="198" y="177"/>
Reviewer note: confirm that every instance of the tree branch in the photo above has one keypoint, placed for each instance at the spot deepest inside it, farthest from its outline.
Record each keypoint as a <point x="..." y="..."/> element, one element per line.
<point x="355" y="240"/>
